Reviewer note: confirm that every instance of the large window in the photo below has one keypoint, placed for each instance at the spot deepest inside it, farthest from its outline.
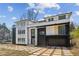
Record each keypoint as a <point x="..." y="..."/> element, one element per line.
<point x="21" y="31"/>
<point x="21" y="40"/>
<point x="61" y="30"/>
<point x="62" y="17"/>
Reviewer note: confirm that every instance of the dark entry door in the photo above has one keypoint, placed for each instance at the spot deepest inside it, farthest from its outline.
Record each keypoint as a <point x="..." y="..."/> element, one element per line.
<point x="33" y="36"/>
<point x="41" y="36"/>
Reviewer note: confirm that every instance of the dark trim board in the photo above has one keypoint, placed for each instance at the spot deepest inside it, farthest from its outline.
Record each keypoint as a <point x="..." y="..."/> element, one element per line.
<point x="13" y="35"/>
<point x="68" y="34"/>
<point x="67" y="23"/>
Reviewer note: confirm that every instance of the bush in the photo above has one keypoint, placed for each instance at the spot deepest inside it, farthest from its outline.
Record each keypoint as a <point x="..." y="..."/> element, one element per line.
<point x="75" y="37"/>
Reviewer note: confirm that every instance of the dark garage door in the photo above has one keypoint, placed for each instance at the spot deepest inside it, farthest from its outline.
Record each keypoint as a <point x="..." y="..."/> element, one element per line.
<point x="55" y="41"/>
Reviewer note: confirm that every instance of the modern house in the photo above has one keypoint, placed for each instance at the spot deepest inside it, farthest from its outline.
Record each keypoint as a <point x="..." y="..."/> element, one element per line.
<point x="53" y="30"/>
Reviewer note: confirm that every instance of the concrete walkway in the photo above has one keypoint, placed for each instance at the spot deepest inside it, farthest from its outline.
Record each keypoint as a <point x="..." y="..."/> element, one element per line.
<point x="40" y="51"/>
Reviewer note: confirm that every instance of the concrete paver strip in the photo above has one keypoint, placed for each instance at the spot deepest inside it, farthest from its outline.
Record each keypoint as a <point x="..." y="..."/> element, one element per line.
<point x="67" y="52"/>
<point x="48" y="52"/>
<point x="57" y="51"/>
<point x="43" y="51"/>
<point x="35" y="50"/>
<point x="40" y="51"/>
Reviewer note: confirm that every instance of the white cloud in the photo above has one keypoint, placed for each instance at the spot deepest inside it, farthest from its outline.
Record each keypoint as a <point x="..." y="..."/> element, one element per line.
<point x="77" y="4"/>
<point x="14" y="18"/>
<point x="49" y="5"/>
<point x="42" y="6"/>
<point x="77" y="12"/>
<point x="47" y="15"/>
<point x="35" y="11"/>
<point x="31" y="5"/>
<point x="10" y="8"/>
<point x="39" y="10"/>
<point x="2" y="16"/>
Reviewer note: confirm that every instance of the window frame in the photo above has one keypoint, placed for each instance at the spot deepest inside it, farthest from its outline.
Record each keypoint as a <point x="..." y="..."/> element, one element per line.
<point x="61" y="30"/>
<point x="60" y="17"/>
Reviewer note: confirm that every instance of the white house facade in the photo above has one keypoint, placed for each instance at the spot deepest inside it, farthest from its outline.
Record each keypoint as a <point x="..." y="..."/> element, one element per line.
<point x="53" y="30"/>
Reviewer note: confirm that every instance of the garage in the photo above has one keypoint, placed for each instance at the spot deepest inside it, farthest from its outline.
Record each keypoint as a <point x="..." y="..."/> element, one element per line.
<point x="53" y="35"/>
<point x="56" y="41"/>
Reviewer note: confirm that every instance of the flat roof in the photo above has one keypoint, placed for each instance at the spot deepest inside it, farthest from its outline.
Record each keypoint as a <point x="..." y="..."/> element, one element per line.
<point x="58" y="15"/>
<point x="49" y="23"/>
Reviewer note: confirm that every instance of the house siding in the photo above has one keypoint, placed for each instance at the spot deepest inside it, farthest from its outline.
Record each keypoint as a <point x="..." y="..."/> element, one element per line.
<point x="51" y="31"/>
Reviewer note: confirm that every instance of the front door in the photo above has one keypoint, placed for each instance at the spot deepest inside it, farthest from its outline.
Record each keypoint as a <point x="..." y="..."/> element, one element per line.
<point x="33" y="36"/>
<point x="41" y="36"/>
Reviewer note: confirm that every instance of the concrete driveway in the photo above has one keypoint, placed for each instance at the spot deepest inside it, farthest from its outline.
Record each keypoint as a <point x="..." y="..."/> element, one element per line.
<point x="40" y="51"/>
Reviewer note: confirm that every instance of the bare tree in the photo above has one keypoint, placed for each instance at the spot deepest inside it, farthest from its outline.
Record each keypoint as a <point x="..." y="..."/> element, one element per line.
<point x="72" y="26"/>
<point x="31" y="14"/>
<point x="4" y="33"/>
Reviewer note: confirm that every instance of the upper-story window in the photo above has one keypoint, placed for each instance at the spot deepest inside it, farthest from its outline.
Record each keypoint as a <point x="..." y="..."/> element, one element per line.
<point x="48" y="19"/>
<point x="51" y="19"/>
<point x="62" y="17"/>
<point x="21" y="31"/>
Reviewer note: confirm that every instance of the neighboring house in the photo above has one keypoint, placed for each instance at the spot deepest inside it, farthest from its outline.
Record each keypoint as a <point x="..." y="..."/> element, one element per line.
<point x="4" y="34"/>
<point x="54" y="30"/>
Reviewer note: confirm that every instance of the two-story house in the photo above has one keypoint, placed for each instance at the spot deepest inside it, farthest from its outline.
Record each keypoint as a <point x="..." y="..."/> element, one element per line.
<point x="53" y="30"/>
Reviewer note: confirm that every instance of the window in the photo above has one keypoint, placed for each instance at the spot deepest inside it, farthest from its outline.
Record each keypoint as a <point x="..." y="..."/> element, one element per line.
<point x="61" y="29"/>
<point x="21" y="31"/>
<point x="33" y="32"/>
<point x="32" y="35"/>
<point x="51" y="19"/>
<point x="62" y="17"/>
<point x="21" y="40"/>
<point x="48" y="19"/>
<point x="42" y="33"/>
